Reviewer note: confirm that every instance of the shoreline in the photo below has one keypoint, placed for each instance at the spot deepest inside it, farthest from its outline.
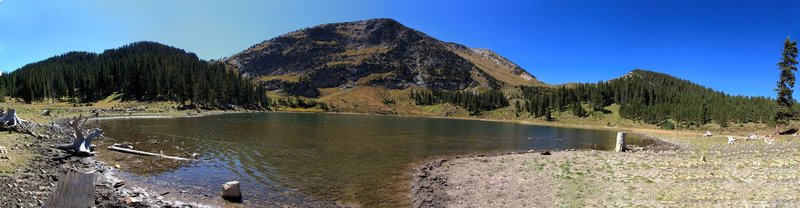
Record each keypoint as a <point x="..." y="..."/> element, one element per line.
<point x="107" y="168"/>
<point x="426" y="183"/>
<point x="695" y="172"/>
<point x="205" y="200"/>
<point x="39" y="176"/>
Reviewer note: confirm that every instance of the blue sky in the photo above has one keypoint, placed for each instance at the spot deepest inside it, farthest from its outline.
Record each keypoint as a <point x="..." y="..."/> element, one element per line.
<point x="731" y="46"/>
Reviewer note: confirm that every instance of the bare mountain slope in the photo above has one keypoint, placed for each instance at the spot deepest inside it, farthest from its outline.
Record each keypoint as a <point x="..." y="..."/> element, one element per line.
<point x="378" y="53"/>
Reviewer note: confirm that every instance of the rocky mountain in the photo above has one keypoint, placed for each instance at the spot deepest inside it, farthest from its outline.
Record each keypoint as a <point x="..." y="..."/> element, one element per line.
<point x="377" y="52"/>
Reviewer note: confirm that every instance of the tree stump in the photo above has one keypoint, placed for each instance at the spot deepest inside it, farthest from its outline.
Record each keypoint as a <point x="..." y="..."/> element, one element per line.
<point x="75" y="189"/>
<point x="620" y="142"/>
<point x="231" y="191"/>
<point x="81" y="145"/>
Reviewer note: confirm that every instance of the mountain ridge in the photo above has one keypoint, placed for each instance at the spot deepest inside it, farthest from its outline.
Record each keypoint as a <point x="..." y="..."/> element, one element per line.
<point x="384" y="51"/>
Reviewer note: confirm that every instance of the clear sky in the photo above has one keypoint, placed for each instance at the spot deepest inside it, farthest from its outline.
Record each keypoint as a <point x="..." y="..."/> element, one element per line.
<point x="727" y="45"/>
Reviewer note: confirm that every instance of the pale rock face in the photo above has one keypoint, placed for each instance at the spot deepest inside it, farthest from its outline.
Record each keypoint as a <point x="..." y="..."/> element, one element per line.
<point x="500" y="60"/>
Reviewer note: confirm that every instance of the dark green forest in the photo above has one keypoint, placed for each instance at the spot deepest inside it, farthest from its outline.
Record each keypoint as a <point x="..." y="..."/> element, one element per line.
<point x="472" y="102"/>
<point x="653" y="98"/>
<point x="141" y="71"/>
<point x="645" y="96"/>
<point x="149" y="71"/>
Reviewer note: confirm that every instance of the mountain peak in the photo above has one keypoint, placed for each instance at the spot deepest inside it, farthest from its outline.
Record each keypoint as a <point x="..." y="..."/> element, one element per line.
<point x="378" y="21"/>
<point x="375" y="52"/>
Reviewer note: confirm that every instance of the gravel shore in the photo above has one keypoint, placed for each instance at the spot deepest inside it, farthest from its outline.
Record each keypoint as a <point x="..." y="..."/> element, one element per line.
<point x="32" y="183"/>
<point x="703" y="172"/>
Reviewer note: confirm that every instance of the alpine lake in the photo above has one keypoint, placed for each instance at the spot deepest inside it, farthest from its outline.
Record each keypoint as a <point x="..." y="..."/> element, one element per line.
<point x="313" y="159"/>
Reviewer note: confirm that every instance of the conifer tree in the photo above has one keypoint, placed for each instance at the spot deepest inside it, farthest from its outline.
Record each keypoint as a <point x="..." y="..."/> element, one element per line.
<point x="786" y="82"/>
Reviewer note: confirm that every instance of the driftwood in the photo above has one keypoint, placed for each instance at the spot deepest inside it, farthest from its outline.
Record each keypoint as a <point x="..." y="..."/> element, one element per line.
<point x="732" y="140"/>
<point x="788" y="131"/>
<point x="11" y="122"/>
<point x="120" y="148"/>
<point x="769" y="140"/>
<point x="81" y="145"/>
<point x="74" y="189"/>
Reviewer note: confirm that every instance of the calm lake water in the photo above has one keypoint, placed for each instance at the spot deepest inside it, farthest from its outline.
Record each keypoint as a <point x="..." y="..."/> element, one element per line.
<point x="298" y="158"/>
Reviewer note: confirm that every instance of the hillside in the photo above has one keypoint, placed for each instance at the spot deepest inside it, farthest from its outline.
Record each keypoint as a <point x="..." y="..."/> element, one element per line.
<point x="650" y="97"/>
<point x="372" y="66"/>
<point x="141" y="71"/>
<point x="376" y="53"/>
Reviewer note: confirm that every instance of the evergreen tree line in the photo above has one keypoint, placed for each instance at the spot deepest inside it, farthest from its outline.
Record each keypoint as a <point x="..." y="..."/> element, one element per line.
<point x="650" y="97"/>
<point x="143" y="71"/>
<point x="472" y="102"/>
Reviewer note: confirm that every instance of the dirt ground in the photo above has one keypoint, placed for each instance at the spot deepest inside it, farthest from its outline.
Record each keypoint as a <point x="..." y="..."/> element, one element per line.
<point x="748" y="173"/>
<point x="30" y="168"/>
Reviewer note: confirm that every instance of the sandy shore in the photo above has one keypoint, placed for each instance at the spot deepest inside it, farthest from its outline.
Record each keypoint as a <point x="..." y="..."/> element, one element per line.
<point x="749" y="173"/>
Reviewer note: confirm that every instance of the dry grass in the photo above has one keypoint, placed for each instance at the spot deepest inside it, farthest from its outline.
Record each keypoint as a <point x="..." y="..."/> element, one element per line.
<point x="284" y="77"/>
<point x="496" y="70"/>
<point x="749" y="173"/>
<point x="17" y="157"/>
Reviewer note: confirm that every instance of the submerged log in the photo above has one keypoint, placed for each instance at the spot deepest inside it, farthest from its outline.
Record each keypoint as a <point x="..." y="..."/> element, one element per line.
<point x="117" y="148"/>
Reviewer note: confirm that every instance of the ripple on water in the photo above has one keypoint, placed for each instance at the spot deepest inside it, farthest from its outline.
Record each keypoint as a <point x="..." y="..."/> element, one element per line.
<point x="304" y="158"/>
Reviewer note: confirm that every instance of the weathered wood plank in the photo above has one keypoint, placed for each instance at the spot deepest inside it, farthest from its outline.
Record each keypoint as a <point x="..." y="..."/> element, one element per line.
<point x="126" y="150"/>
<point x="74" y="189"/>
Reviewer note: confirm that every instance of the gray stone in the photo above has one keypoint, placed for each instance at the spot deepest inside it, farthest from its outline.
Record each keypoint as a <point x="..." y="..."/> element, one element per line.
<point x="231" y="191"/>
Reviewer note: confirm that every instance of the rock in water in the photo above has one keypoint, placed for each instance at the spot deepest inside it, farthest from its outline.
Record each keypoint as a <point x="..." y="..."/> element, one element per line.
<point x="231" y="191"/>
<point x="620" y="142"/>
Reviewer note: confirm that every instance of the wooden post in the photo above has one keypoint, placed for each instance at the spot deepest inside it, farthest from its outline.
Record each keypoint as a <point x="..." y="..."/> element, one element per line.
<point x="75" y="189"/>
<point x="620" y="142"/>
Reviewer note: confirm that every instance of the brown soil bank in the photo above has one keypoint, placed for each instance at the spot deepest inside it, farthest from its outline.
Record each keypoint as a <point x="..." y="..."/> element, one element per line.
<point x="749" y="173"/>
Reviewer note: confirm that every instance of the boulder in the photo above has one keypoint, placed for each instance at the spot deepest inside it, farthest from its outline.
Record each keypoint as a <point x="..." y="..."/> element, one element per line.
<point x="231" y="191"/>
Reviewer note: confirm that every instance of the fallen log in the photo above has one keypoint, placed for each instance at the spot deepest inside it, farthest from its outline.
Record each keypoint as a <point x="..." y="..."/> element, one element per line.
<point x="131" y="151"/>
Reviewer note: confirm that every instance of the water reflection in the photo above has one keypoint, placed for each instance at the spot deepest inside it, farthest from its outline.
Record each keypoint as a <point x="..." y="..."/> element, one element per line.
<point x="290" y="157"/>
